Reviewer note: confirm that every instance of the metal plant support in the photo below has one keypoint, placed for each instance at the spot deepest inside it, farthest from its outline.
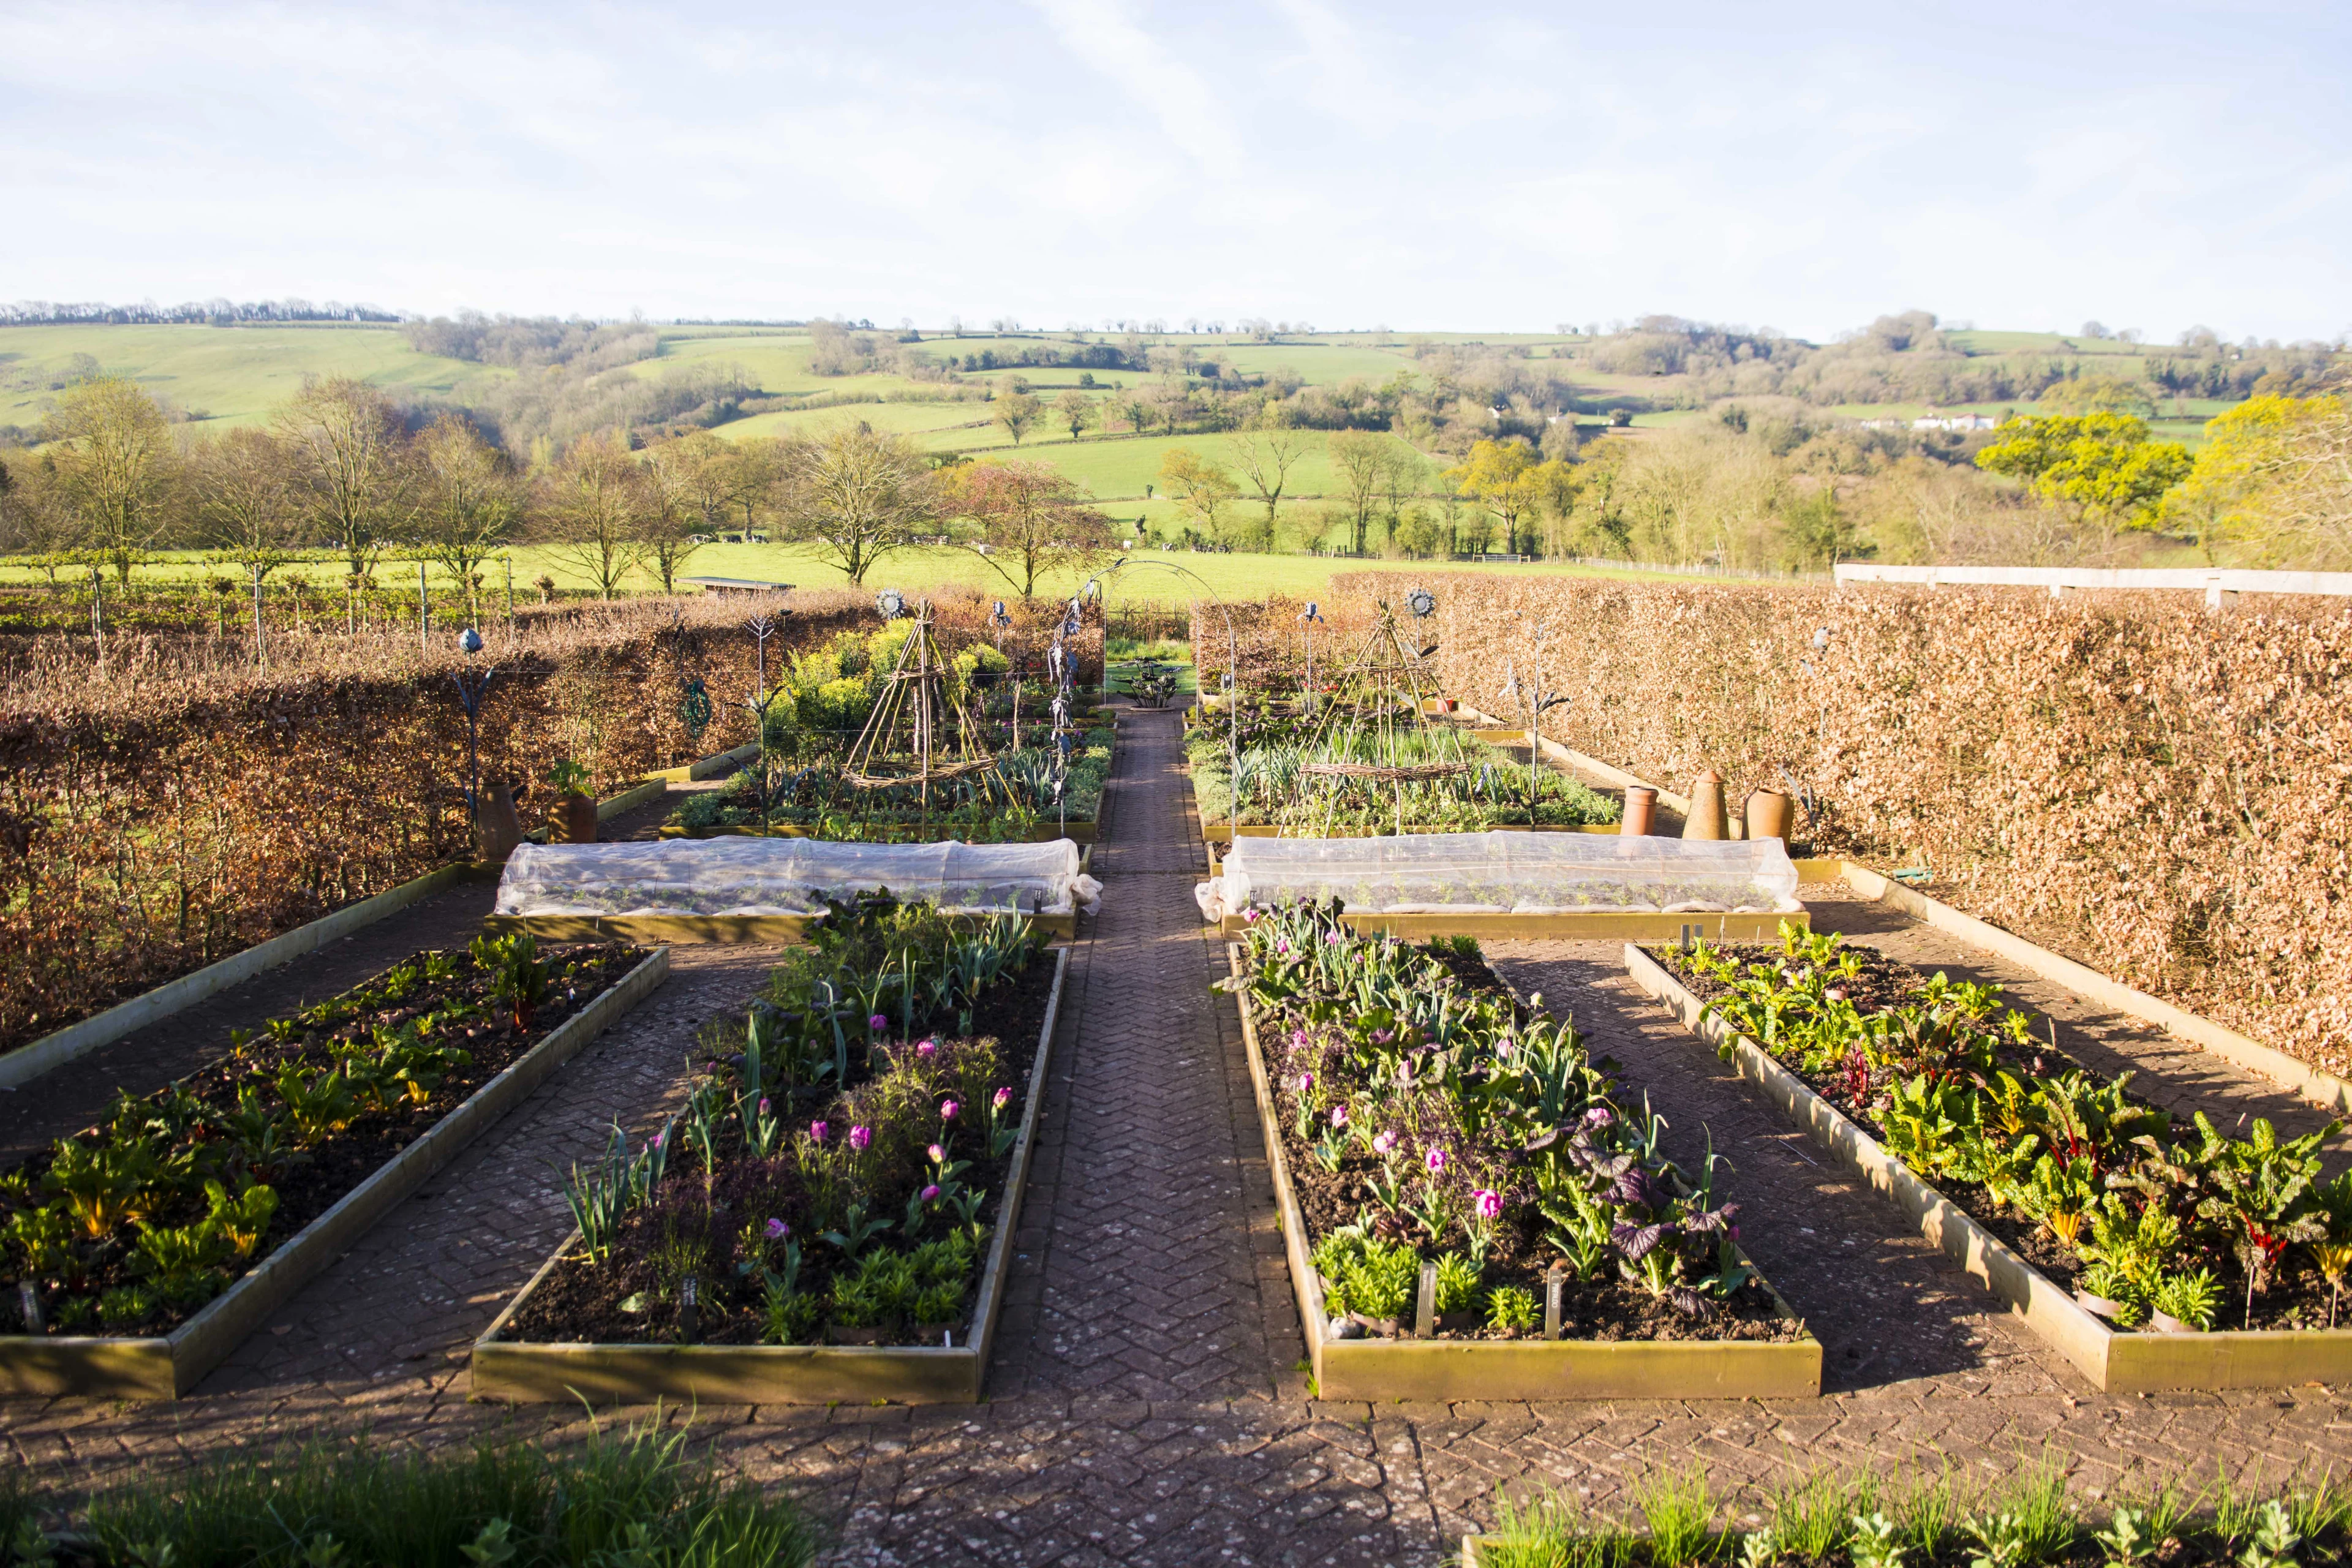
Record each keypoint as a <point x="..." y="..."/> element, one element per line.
<point x="472" y="686"/>
<point x="763" y="627"/>
<point x="1233" y="687"/>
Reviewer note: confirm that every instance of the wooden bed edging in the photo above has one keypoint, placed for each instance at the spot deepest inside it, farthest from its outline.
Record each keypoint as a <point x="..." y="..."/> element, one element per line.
<point x="1371" y="1369"/>
<point x="52" y="1051"/>
<point x="167" y="1366"/>
<point x="772" y="1374"/>
<point x="2116" y="1362"/>
<point x="1583" y="925"/>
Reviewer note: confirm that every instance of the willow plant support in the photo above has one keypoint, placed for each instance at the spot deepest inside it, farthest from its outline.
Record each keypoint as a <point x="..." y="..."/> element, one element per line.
<point x="920" y="733"/>
<point x="1390" y="680"/>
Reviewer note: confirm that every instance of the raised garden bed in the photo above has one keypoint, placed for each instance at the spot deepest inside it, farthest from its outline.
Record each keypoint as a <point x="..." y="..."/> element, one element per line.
<point x="195" y="1211"/>
<point x="1513" y="886"/>
<point x="2130" y="1245"/>
<point x="1469" y="1209"/>
<point x="772" y="1187"/>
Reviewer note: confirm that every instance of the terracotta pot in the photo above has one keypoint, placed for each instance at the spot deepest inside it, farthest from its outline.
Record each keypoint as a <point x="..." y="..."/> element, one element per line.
<point x="1770" y="814"/>
<point x="576" y="818"/>
<point x="1640" y="810"/>
<point x="498" y="826"/>
<point x="1707" y="819"/>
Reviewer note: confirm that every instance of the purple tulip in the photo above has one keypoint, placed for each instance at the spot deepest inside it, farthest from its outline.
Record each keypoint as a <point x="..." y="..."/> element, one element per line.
<point x="1306" y="1082"/>
<point x="1299" y="1038"/>
<point x="1331" y="939"/>
<point x="817" y="1130"/>
<point x="930" y="1195"/>
<point x="1249" y="916"/>
<point x="927" y="1048"/>
<point x="778" y="1230"/>
<point x="1384" y="1143"/>
<point x="877" y="1023"/>
<point x="859" y="1137"/>
<point x="1003" y="1099"/>
<point x="1338" y="1116"/>
<point x="763" y="1105"/>
<point x="948" y="1108"/>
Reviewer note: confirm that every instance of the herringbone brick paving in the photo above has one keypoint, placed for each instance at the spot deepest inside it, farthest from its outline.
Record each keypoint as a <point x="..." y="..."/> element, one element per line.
<point x="1145" y="1403"/>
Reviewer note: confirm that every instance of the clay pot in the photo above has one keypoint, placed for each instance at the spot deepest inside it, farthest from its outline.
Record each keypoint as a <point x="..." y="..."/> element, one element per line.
<point x="1707" y="819"/>
<point x="576" y="818"/>
<point x="1640" y="810"/>
<point x="1770" y="814"/>
<point x="498" y="826"/>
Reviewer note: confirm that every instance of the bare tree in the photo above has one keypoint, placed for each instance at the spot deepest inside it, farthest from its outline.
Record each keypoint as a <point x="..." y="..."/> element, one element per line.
<point x="469" y="503"/>
<point x="1360" y="461"/>
<point x="857" y="494"/>
<point x="1265" y="457"/>
<point x="115" y="467"/>
<point x="345" y="441"/>
<point x="245" y="507"/>
<point x="592" y="510"/>
<point x="1029" y="520"/>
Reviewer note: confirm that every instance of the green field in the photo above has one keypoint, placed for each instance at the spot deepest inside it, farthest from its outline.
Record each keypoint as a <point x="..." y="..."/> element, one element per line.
<point x="1149" y="574"/>
<point x="231" y="375"/>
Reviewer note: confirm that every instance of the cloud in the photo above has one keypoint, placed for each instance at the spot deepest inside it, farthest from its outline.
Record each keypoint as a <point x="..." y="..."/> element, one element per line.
<point x="1105" y="35"/>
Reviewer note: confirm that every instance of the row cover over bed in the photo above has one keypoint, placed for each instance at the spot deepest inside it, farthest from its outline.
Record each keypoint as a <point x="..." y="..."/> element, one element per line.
<point x="790" y="876"/>
<point x="1506" y="873"/>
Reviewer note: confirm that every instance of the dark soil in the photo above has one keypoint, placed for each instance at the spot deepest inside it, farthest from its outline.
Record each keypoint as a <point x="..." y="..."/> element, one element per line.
<point x="1605" y="1308"/>
<point x="322" y="1175"/>
<point x="579" y="1302"/>
<point x="2297" y="1297"/>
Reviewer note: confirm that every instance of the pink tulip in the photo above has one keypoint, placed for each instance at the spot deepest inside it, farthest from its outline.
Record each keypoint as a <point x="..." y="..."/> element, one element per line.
<point x="930" y="1195"/>
<point x="1384" y="1143"/>
<point x="927" y="1048"/>
<point x="1249" y="916"/>
<point x="1436" y="1161"/>
<point x="948" y="1108"/>
<point x="859" y="1137"/>
<point x="1338" y="1116"/>
<point x="817" y="1130"/>
<point x="1306" y="1082"/>
<point x="1488" y="1204"/>
<point x="1003" y="1099"/>
<point x="938" y="1153"/>
<point x="763" y="1105"/>
<point x="778" y="1230"/>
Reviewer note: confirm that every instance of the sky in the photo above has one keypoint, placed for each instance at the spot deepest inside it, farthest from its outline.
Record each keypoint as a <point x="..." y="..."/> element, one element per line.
<point x="1413" y="166"/>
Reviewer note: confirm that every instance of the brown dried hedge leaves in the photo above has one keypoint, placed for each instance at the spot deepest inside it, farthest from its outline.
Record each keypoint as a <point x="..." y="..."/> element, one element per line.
<point x="2163" y="794"/>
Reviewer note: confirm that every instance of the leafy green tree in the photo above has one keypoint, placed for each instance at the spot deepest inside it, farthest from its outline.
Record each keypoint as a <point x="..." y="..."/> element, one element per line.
<point x="2104" y="466"/>
<point x="1018" y="413"/>
<point x="1076" y="411"/>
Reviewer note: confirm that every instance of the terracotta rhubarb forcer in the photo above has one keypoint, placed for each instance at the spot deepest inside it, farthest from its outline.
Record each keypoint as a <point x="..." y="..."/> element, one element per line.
<point x="1707" y="819"/>
<point x="497" y="828"/>
<point x="576" y="815"/>
<point x="1770" y="814"/>
<point x="1640" y="810"/>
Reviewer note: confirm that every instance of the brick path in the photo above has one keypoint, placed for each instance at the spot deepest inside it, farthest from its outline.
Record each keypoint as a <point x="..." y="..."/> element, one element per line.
<point x="1146" y="1404"/>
